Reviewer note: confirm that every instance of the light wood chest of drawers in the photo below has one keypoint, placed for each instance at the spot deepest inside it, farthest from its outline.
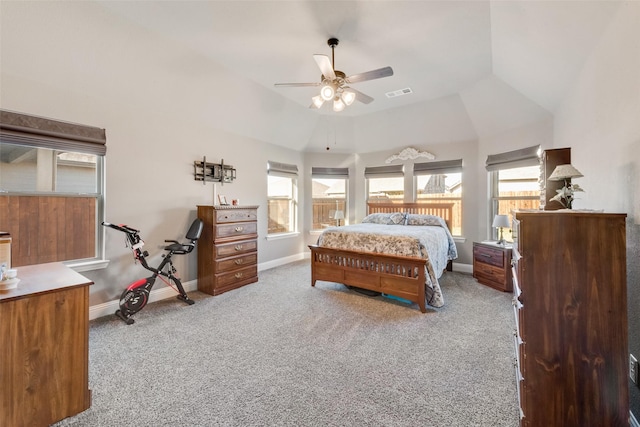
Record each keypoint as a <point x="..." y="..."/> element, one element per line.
<point x="227" y="248"/>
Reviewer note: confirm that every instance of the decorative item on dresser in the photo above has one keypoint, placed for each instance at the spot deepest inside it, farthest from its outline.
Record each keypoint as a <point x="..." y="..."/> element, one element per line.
<point x="492" y="265"/>
<point x="228" y="248"/>
<point x="570" y="305"/>
<point x="549" y="159"/>
<point x="566" y="194"/>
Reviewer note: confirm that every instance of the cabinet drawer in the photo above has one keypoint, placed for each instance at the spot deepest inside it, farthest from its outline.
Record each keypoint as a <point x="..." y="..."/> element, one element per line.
<point x="489" y="272"/>
<point x="229" y="264"/>
<point x="232" y="277"/>
<point x="487" y="255"/>
<point x="237" y="229"/>
<point x="236" y="248"/>
<point x="236" y="215"/>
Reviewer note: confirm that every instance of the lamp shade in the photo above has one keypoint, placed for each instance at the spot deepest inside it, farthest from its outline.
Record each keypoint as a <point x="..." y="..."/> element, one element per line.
<point x="564" y="172"/>
<point x="338" y="215"/>
<point x="328" y="91"/>
<point x="348" y="97"/>
<point x="501" y="221"/>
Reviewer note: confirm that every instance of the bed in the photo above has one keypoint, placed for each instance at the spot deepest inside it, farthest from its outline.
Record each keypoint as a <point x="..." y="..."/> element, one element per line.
<point x="411" y="249"/>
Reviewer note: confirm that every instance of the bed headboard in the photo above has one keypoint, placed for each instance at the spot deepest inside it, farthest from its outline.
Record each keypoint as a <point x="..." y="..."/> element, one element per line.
<point x="443" y="210"/>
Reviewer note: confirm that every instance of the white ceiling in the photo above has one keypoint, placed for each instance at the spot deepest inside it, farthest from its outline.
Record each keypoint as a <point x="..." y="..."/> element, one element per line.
<point x="476" y="68"/>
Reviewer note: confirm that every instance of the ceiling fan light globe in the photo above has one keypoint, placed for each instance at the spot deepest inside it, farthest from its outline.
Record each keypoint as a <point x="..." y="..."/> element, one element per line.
<point x="338" y="105"/>
<point x="348" y="97"/>
<point x="317" y="101"/>
<point x="327" y="92"/>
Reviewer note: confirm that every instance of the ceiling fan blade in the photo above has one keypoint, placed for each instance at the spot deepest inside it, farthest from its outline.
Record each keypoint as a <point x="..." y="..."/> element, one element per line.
<point x="324" y="63"/>
<point x="365" y="99"/>
<point x="296" y="84"/>
<point x="370" y="75"/>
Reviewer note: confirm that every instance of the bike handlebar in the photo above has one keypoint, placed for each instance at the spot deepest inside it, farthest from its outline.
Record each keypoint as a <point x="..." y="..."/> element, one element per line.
<point x="122" y="227"/>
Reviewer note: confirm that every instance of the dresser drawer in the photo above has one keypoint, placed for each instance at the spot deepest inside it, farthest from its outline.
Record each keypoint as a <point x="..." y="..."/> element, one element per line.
<point x="236" y="215"/>
<point x="229" y="264"/>
<point x="487" y="255"/>
<point x="236" y="230"/>
<point x="231" y="278"/>
<point x="235" y="248"/>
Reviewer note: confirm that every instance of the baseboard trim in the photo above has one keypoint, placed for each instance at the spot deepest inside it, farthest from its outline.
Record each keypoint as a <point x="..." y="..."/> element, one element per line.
<point x="110" y="307"/>
<point x="282" y="261"/>
<point x="633" y="421"/>
<point x="463" y="268"/>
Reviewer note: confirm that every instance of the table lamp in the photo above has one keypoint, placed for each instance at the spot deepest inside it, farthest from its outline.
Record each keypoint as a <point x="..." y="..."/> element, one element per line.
<point x="501" y="222"/>
<point x="338" y="216"/>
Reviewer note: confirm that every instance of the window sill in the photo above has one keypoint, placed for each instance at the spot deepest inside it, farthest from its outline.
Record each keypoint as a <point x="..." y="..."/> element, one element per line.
<point x="81" y="266"/>
<point x="282" y="235"/>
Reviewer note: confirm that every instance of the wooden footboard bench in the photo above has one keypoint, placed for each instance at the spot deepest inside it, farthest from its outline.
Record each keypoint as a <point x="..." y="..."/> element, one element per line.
<point x="403" y="277"/>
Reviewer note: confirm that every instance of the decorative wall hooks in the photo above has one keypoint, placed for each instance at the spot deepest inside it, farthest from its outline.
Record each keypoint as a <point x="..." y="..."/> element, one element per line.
<point x="410" y="153"/>
<point x="213" y="172"/>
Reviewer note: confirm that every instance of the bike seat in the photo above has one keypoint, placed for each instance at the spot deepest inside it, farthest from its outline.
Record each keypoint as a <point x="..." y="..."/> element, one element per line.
<point x="193" y="234"/>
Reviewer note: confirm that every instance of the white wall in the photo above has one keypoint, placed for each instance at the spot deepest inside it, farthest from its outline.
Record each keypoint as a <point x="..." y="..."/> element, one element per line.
<point x="600" y="120"/>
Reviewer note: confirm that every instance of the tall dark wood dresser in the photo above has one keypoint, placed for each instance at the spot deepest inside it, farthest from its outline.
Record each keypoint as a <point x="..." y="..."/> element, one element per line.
<point x="570" y="303"/>
<point x="227" y="248"/>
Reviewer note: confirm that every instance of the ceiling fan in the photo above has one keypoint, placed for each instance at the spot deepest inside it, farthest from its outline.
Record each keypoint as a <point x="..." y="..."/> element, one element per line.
<point x="334" y="83"/>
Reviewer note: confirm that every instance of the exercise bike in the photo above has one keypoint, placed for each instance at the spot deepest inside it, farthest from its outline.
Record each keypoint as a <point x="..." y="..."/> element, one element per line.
<point x="136" y="296"/>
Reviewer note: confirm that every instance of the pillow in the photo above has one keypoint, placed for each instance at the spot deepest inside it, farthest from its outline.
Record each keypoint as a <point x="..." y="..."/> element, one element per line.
<point x="416" y="219"/>
<point x="396" y="218"/>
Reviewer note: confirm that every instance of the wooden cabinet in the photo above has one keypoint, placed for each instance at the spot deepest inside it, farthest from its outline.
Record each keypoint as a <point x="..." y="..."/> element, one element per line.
<point x="227" y="248"/>
<point x="44" y="355"/>
<point x="492" y="265"/>
<point x="570" y="306"/>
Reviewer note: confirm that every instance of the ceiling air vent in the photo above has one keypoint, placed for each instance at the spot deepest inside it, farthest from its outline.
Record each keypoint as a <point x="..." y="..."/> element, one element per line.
<point x="405" y="91"/>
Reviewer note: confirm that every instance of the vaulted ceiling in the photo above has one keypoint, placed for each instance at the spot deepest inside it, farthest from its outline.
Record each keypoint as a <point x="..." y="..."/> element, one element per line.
<point x="475" y="68"/>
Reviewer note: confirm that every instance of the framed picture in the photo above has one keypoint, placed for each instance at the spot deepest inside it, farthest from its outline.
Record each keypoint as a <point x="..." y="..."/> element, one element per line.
<point x="222" y="199"/>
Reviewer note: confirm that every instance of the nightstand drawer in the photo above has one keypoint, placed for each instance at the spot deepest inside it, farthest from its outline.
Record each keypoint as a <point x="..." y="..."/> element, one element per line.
<point x="488" y="255"/>
<point x="489" y="272"/>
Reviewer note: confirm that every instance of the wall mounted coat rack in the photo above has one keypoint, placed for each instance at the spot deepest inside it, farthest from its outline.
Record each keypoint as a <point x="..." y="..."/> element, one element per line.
<point x="213" y="172"/>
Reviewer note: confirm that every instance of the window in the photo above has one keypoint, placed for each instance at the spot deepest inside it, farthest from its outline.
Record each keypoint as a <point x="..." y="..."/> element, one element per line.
<point x="329" y="197"/>
<point x="385" y="183"/>
<point x="513" y="183"/>
<point x="282" y="197"/>
<point x="52" y="185"/>
<point x="441" y="182"/>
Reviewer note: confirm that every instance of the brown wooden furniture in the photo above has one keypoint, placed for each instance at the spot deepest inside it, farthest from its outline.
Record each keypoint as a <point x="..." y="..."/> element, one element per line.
<point x="228" y="248"/>
<point x="394" y="275"/>
<point x="68" y="232"/>
<point x="548" y="162"/>
<point x="492" y="265"/>
<point x="571" y="318"/>
<point x="44" y="350"/>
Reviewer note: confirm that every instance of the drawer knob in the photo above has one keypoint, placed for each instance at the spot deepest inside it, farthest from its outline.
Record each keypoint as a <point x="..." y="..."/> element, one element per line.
<point x="239" y="261"/>
<point x="238" y="247"/>
<point x="238" y="275"/>
<point x="239" y="229"/>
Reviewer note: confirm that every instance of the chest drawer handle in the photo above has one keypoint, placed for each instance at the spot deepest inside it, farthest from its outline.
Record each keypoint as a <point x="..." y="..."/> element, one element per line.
<point x="239" y="229"/>
<point x="239" y="261"/>
<point x="238" y="275"/>
<point x="486" y="255"/>
<point x="238" y="247"/>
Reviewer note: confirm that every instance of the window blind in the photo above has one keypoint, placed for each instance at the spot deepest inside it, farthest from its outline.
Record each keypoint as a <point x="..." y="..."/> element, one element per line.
<point x="33" y="131"/>
<point x="514" y="159"/>
<point x="279" y="168"/>
<point x="436" y="168"/>
<point x="330" y="172"/>
<point x="384" y="171"/>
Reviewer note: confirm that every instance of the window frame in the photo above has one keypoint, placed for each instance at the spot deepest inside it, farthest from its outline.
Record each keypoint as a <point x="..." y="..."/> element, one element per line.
<point x="441" y="168"/>
<point x="382" y="172"/>
<point x="59" y="136"/>
<point x="334" y="174"/>
<point x="524" y="157"/>
<point x="289" y="171"/>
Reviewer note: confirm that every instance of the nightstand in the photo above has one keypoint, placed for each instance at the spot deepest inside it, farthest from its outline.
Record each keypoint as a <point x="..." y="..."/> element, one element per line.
<point x="492" y="265"/>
